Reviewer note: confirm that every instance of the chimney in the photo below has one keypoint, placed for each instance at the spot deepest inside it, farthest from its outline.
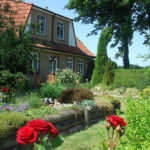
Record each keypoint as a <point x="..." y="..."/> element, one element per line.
<point x="46" y="8"/>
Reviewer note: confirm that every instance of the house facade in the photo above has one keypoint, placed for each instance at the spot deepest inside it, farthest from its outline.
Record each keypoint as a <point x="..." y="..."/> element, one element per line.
<point x="56" y="43"/>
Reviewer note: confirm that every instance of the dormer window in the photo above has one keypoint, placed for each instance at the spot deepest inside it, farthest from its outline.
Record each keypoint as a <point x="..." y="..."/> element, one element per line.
<point x="60" y="30"/>
<point x="41" y="30"/>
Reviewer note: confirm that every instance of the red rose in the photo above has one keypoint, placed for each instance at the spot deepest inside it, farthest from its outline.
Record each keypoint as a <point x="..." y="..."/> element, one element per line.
<point x="7" y="89"/>
<point x="40" y="126"/>
<point x="53" y="131"/>
<point x="2" y="89"/>
<point x="115" y="121"/>
<point x="26" y="135"/>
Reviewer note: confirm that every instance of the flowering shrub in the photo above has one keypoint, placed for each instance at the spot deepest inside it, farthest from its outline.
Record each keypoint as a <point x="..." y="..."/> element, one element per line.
<point x="67" y="77"/>
<point x="33" y="131"/>
<point x="4" y="94"/>
<point x="117" y="124"/>
<point x="12" y="81"/>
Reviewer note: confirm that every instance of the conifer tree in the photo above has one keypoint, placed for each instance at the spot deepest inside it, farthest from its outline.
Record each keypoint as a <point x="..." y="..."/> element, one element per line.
<point x="101" y="57"/>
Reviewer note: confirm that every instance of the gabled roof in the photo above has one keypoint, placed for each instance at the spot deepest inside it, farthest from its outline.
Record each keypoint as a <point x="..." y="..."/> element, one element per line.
<point x="23" y="10"/>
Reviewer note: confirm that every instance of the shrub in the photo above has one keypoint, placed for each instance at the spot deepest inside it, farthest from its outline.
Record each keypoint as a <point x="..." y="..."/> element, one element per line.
<point x="101" y="57"/>
<point x="51" y="90"/>
<point x="87" y="103"/>
<point x="87" y="85"/>
<point x="34" y="101"/>
<point x="75" y="94"/>
<point x="13" y="81"/>
<point x="109" y="73"/>
<point x="10" y="122"/>
<point x="105" y="106"/>
<point x="67" y="77"/>
<point x="138" y="131"/>
<point x="116" y="103"/>
<point x="146" y="92"/>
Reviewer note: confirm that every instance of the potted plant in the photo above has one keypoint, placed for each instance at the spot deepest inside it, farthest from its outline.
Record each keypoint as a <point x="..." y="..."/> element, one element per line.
<point x="51" y="78"/>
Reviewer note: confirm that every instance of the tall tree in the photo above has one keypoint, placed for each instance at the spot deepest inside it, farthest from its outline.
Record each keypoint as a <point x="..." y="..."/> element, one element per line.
<point x="101" y="57"/>
<point x="117" y="14"/>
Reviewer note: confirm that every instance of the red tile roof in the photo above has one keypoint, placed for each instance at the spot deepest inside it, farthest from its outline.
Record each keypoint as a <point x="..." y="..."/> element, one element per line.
<point x="23" y="10"/>
<point x="79" y="50"/>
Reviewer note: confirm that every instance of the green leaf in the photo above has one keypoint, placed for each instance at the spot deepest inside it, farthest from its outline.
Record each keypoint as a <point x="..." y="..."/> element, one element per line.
<point x="39" y="147"/>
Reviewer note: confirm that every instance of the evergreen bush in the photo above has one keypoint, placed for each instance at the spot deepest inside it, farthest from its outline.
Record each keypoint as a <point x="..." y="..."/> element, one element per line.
<point x="109" y="73"/>
<point x="101" y="57"/>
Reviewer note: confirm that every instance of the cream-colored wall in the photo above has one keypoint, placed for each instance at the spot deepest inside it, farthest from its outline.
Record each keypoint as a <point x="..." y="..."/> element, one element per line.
<point x="66" y="31"/>
<point x="62" y="62"/>
<point x="49" y="18"/>
<point x="34" y="14"/>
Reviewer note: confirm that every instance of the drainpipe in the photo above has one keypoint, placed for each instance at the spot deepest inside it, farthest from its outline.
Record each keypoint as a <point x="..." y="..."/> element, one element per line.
<point x="53" y="28"/>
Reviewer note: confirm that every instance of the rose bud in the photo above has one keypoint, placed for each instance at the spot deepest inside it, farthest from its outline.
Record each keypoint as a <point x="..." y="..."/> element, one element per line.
<point x="122" y="132"/>
<point x="107" y="125"/>
<point x="118" y="128"/>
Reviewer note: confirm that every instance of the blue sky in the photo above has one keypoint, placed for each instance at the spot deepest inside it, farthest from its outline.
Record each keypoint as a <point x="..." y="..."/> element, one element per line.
<point x="82" y="30"/>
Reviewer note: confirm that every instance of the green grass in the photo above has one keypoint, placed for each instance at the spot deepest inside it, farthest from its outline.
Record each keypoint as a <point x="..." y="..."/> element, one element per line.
<point x="84" y="140"/>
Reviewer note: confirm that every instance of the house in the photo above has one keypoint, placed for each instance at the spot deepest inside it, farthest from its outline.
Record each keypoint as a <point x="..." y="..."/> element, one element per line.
<point x="57" y="46"/>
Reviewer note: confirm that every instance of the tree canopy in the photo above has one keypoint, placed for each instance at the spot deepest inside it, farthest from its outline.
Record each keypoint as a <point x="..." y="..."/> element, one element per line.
<point x="123" y="16"/>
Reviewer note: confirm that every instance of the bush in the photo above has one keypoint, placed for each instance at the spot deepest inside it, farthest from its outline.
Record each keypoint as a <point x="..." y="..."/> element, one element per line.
<point x="105" y="106"/>
<point x="101" y="57"/>
<point x="109" y="73"/>
<point x="75" y="94"/>
<point x="128" y="78"/>
<point x="146" y="92"/>
<point x="138" y="129"/>
<point x="10" y="122"/>
<point x="34" y="101"/>
<point x="87" y="103"/>
<point x="13" y="81"/>
<point x="51" y="90"/>
<point x="67" y="77"/>
<point x="115" y="102"/>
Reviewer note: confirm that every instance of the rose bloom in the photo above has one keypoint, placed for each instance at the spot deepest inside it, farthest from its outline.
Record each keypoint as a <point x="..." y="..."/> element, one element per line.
<point x="2" y="90"/>
<point x="26" y="135"/>
<point x="115" y="121"/>
<point x="53" y="131"/>
<point x="40" y="126"/>
<point x="7" y="89"/>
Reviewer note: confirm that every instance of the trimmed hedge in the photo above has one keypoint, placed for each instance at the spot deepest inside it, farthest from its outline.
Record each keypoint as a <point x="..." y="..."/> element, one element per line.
<point x="138" y="78"/>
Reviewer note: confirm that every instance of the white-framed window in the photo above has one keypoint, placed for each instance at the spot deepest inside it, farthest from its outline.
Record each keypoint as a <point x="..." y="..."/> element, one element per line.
<point x="41" y="29"/>
<point x="81" y="66"/>
<point x="70" y="63"/>
<point x="53" y="63"/>
<point x="35" y="62"/>
<point x="60" y="30"/>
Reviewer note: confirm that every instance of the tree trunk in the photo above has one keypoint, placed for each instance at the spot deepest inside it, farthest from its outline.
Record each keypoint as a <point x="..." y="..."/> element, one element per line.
<point x="126" y="55"/>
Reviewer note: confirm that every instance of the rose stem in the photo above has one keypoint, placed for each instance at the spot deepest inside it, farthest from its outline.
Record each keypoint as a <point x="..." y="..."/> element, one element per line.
<point x="116" y="143"/>
<point x="112" y="139"/>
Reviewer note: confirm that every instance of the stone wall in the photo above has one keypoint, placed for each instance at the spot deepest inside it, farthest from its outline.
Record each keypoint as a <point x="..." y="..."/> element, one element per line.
<point x="67" y="122"/>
